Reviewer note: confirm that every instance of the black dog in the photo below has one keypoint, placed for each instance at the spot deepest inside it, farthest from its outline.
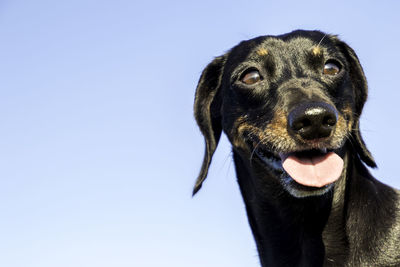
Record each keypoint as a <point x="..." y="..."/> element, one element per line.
<point x="290" y="106"/>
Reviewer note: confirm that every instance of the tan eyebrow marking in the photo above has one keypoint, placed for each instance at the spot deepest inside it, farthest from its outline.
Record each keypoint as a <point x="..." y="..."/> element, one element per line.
<point x="262" y="52"/>
<point x="316" y="51"/>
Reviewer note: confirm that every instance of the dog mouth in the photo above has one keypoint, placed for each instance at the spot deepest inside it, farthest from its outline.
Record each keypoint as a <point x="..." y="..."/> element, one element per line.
<point x="314" y="168"/>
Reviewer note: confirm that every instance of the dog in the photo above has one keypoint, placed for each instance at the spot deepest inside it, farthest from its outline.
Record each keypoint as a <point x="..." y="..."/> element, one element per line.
<point x="290" y="107"/>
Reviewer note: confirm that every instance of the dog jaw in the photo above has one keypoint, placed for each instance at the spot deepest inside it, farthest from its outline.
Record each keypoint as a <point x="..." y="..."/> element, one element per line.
<point x="295" y="170"/>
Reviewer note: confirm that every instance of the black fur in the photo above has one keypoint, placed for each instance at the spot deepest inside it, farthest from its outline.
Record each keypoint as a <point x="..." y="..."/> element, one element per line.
<point x="352" y="222"/>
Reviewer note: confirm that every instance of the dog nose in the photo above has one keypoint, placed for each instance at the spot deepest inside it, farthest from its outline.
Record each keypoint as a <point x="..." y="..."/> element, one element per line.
<point x="312" y="120"/>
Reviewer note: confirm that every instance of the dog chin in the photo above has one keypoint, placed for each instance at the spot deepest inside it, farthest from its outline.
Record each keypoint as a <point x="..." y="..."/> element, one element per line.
<point x="300" y="191"/>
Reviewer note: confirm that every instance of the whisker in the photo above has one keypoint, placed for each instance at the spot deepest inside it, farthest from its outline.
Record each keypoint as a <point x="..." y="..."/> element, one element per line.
<point x="320" y="42"/>
<point x="254" y="149"/>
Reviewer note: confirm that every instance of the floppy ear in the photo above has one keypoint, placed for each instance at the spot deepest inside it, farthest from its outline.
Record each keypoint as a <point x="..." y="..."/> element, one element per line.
<point x="360" y="88"/>
<point x="207" y="105"/>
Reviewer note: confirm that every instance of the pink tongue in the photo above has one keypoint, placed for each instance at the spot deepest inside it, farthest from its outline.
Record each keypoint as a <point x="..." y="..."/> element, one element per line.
<point x="316" y="171"/>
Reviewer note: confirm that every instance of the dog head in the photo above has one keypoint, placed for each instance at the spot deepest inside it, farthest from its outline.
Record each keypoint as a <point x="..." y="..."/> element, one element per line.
<point x="288" y="104"/>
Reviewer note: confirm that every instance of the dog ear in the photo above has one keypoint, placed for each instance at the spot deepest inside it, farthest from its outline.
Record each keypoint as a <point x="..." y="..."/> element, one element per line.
<point x="360" y="88"/>
<point x="360" y="146"/>
<point x="207" y="107"/>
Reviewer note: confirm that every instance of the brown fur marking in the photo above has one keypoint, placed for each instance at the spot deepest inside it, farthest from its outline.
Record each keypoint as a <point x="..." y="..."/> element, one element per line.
<point x="316" y="51"/>
<point x="262" y="52"/>
<point x="276" y="136"/>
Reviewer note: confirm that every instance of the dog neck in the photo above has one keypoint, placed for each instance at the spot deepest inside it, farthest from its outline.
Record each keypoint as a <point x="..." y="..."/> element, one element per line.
<point x="290" y="231"/>
<point x="334" y="236"/>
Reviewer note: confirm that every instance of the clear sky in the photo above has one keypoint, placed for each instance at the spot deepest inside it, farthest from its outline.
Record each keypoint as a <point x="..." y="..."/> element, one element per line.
<point x="98" y="146"/>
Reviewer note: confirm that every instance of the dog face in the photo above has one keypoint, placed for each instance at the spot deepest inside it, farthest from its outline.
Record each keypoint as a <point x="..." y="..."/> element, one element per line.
<point x="288" y="105"/>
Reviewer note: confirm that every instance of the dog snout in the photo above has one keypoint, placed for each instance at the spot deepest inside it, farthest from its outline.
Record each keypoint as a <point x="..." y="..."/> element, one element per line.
<point x="313" y="120"/>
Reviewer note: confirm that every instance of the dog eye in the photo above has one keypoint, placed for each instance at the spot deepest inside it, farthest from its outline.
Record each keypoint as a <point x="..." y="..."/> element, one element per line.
<point x="331" y="68"/>
<point x="251" y="77"/>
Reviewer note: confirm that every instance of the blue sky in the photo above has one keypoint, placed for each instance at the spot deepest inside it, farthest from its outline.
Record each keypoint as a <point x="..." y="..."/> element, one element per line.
<point x="99" y="149"/>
